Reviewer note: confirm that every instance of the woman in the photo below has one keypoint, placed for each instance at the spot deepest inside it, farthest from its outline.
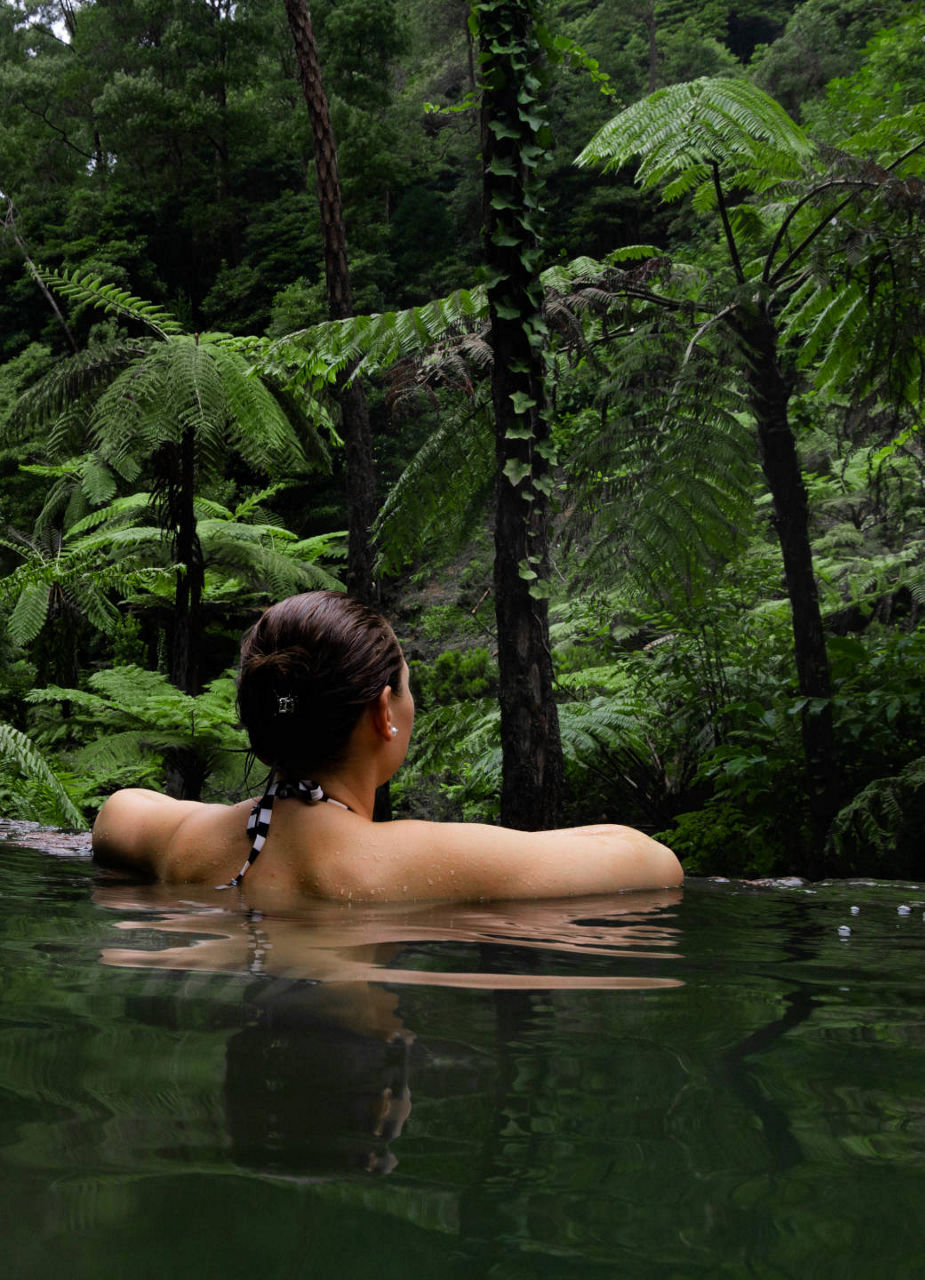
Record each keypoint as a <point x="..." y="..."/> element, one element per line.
<point x="324" y="697"/>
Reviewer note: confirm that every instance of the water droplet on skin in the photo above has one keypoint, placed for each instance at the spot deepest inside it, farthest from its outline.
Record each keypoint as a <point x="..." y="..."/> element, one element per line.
<point x="844" y="931"/>
<point x="854" y="910"/>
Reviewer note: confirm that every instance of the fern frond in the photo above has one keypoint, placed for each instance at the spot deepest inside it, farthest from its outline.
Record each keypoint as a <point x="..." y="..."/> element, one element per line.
<point x="18" y="748"/>
<point x="323" y="546"/>
<point x="586" y="727"/>
<point x="29" y="613"/>
<point x="690" y="451"/>
<point x="679" y="132"/>
<point x="119" y="541"/>
<point x="92" y="290"/>
<point x="459" y="732"/>
<point x="253" y="502"/>
<point x="455" y="463"/>
<point x="260" y="427"/>
<point x="377" y="341"/>
<point x="60" y="396"/>
<point x="115" y="513"/>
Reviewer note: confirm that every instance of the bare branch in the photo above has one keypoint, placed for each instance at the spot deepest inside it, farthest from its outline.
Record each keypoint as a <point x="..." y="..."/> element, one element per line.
<point x="43" y="116"/>
<point x="9" y="224"/>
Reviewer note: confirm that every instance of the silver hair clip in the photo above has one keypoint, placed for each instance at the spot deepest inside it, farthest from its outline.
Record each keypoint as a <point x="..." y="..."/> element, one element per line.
<point x="285" y="705"/>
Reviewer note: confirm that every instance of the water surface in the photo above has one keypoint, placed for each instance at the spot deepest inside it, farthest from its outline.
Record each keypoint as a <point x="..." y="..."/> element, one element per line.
<point x="712" y="1082"/>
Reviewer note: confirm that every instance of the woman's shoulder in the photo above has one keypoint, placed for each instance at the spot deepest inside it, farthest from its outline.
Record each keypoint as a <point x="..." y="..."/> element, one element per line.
<point x="142" y="829"/>
<point x="462" y="860"/>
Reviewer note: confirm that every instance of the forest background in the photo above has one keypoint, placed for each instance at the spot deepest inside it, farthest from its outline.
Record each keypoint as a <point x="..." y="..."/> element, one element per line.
<point x="172" y="390"/>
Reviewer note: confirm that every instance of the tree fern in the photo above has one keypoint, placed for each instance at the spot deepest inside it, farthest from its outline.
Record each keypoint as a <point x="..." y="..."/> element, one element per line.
<point x="683" y="131"/>
<point x="128" y="713"/>
<point x="108" y="554"/>
<point x="180" y="403"/>
<point x="131" y="396"/>
<point x="675" y="430"/>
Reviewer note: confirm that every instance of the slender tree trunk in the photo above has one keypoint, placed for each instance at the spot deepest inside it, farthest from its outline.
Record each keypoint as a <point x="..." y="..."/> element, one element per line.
<point x="361" y="484"/>
<point x="531" y="747"/>
<point x="769" y="395"/>
<point x="187" y="640"/>
<point x="185" y="769"/>
<point x="651" y="22"/>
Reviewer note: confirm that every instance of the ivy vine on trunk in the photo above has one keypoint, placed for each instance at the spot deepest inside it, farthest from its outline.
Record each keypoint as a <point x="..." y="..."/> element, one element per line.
<point x="513" y="141"/>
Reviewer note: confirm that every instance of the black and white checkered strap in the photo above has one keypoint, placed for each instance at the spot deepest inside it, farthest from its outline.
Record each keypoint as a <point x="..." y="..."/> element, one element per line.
<point x="258" y="824"/>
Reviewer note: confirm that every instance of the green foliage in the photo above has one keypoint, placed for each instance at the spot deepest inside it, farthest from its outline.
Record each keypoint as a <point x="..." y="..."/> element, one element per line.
<point x="880" y="831"/>
<point x="418" y="517"/>
<point x="823" y="39"/>
<point x="68" y="574"/>
<point x="88" y="289"/>
<point x="756" y="791"/>
<point x="456" y="743"/>
<point x="130" y="398"/>
<point x="454" y="676"/>
<point x="720" y="840"/>
<point x="372" y="342"/>
<point x="887" y="84"/>
<point x="128" y="717"/>
<point x="682" y="132"/>
<point x="162" y="152"/>
<point x="34" y="788"/>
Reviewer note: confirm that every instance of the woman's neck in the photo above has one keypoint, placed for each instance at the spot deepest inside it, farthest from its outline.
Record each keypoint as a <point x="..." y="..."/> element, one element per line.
<point x="356" y="788"/>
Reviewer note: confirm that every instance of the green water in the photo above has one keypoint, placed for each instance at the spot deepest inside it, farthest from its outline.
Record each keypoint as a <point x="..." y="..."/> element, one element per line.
<point x="711" y="1083"/>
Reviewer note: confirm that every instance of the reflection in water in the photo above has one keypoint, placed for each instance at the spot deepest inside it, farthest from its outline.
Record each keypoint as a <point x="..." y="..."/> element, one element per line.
<point x="210" y="1100"/>
<point x="330" y="942"/>
<point x="305" y="1097"/>
<point x="319" y="1078"/>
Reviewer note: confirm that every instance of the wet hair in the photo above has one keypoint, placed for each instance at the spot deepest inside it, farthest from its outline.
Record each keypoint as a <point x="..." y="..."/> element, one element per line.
<point x="309" y="667"/>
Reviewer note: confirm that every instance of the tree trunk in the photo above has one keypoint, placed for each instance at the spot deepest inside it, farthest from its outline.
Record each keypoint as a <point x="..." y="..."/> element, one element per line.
<point x="186" y="646"/>
<point x="531" y="747"/>
<point x="361" y="483"/>
<point x="651" y="22"/>
<point x="769" y="397"/>
<point x="185" y="769"/>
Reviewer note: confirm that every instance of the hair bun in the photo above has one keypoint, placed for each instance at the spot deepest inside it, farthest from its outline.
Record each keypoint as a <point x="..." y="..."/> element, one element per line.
<point x="332" y="656"/>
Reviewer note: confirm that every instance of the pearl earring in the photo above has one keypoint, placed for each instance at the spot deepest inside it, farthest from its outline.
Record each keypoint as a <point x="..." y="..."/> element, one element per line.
<point x="393" y="731"/>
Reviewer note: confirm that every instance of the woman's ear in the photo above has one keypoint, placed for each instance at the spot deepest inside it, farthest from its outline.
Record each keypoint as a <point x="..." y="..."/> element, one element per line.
<point x="381" y="714"/>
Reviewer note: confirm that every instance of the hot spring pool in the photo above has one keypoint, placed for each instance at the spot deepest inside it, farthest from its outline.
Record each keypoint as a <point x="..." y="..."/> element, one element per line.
<point x="712" y="1082"/>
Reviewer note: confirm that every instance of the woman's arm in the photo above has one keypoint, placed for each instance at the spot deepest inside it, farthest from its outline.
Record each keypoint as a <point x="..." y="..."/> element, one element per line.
<point x="134" y="828"/>
<point x="465" y="861"/>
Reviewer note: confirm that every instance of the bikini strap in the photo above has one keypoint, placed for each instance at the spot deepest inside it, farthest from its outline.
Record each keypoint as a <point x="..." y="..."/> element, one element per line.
<point x="258" y="824"/>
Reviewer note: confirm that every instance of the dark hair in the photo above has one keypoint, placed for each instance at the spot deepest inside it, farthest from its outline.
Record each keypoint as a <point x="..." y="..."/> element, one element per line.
<point x="308" y="668"/>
